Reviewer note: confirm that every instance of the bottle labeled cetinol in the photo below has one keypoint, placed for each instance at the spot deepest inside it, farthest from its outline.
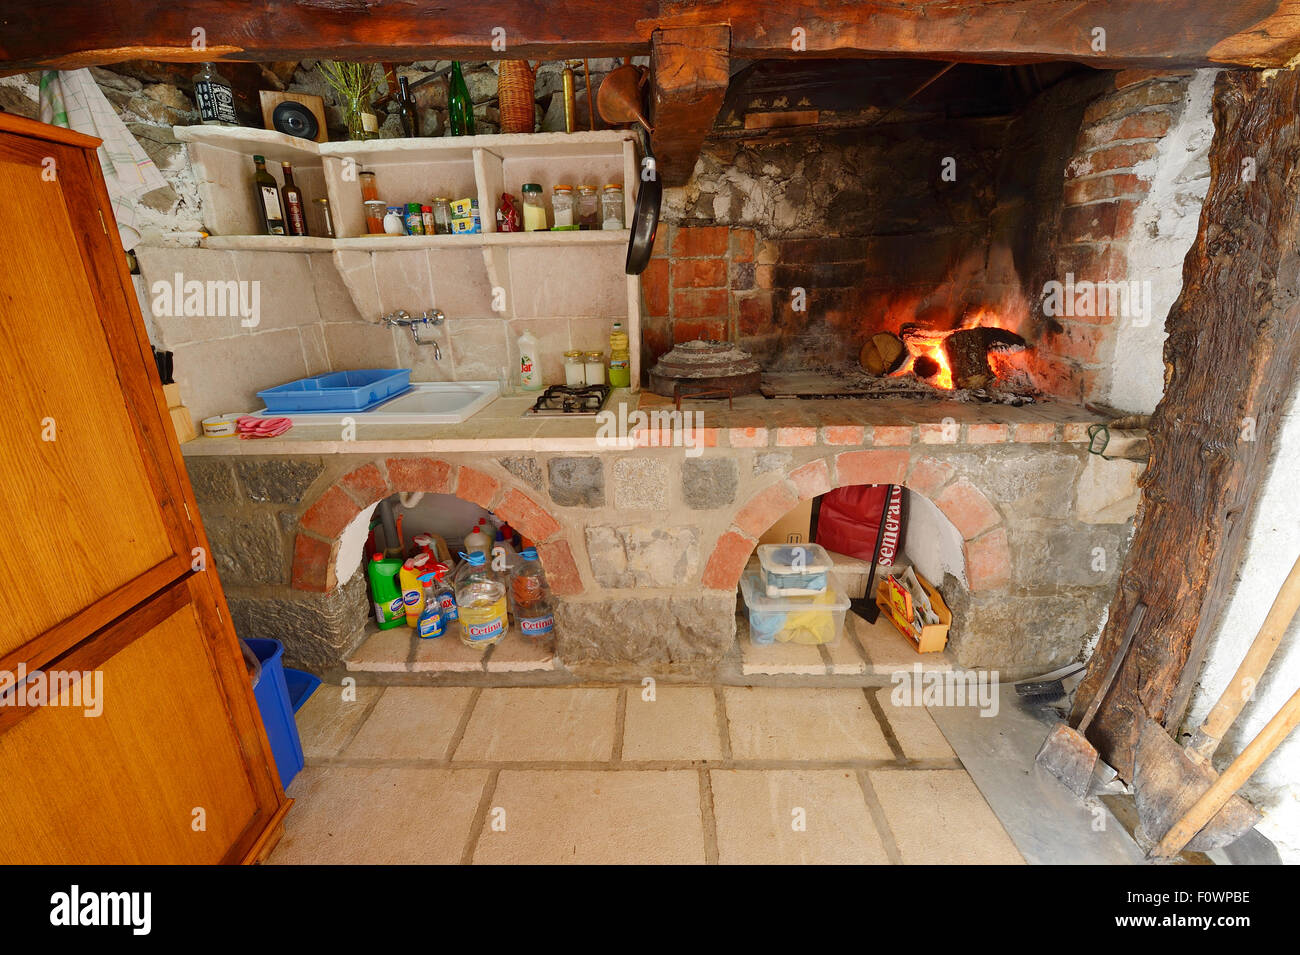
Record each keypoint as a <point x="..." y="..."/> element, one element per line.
<point x="530" y="598"/>
<point x="480" y="602"/>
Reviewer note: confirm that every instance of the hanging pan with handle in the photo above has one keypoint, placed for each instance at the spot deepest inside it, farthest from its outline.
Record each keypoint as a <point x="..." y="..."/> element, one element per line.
<point x="619" y="101"/>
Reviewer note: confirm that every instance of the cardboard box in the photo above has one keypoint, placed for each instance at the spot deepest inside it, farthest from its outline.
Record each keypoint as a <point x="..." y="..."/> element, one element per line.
<point x="793" y="528"/>
<point x="463" y="226"/>
<point x="462" y="208"/>
<point x="896" y="604"/>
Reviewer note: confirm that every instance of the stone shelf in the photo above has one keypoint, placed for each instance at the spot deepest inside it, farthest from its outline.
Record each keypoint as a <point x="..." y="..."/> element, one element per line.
<point x="397" y="243"/>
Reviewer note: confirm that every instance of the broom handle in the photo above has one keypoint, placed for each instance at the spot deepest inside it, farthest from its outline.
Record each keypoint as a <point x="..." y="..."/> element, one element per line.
<point x="1242" y="685"/>
<point x="1214" y="798"/>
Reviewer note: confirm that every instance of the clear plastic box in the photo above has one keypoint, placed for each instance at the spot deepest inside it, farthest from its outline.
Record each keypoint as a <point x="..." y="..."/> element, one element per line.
<point x="814" y="619"/>
<point x="794" y="570"/>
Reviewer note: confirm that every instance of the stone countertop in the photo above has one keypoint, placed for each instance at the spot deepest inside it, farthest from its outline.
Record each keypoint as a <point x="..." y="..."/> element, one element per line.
<point x="752" y="421"/>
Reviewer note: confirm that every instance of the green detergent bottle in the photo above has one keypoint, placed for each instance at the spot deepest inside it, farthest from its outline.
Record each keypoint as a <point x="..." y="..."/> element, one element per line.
<point x="390" y="612"/>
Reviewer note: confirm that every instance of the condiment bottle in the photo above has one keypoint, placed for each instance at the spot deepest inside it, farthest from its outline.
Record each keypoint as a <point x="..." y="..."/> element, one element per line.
<point x="534" y="208"/>
<point x="295" y="211"/>
<point x="620" y="360"/>
<point x="268" y="199"/>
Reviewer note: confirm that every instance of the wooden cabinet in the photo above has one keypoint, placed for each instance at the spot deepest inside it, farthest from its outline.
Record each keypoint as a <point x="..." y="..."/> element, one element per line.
<point x="99" y="541"/>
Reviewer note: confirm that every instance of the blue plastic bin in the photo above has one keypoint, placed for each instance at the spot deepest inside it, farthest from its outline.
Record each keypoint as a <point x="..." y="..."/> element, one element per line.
<point x="338" y="391"/>
<point x="272" y="695"/>
<point x="301" y="686"/>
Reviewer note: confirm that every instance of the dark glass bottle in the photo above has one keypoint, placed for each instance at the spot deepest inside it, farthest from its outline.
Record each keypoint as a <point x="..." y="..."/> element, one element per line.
<point x="406" y="103"/>
<point x="295" y="209"/>
<point x="267" y="194"/>
<point x="214" y="97"/>
<point x="460" y="110"/>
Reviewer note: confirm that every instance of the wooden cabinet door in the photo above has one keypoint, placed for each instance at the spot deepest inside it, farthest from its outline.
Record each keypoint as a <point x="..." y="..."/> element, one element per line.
<point x="94" y="523"/>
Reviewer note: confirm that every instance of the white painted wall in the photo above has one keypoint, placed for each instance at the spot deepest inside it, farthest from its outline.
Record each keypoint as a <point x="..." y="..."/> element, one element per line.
<point x="1164" y="228"/>
<point x="1271" y="549"/>
<point x="931" y="543"/>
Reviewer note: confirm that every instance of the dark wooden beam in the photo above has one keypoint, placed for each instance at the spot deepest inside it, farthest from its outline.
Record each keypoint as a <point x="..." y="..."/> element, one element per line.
<point x="689" y="70"/>
<point x="1231" y="366"/>
<point x="1157" y="33"/>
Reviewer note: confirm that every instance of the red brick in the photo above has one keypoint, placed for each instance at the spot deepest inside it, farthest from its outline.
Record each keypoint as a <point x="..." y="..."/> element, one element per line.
<point x="987" y="433"/>
<point x="692" y="241"/>
<point x="754" y="314"/>
<point x="936" y="432"/>
<point x="727" y="562"/>
<point x="765" y="276"/>
<point x="1075" y="432"/>
<point x="1110" y="158"/>
<point x="929" y="475"/>
<point x="748" y="437"/>
<point x="313" y="564"/>
<point x="843" y="434"/>
<point x="811" y="479"/>
<point x="699" y="437"/>
<point x="657" y="339"/>
<point x="332" y="512"/>
<point x="473" y="485"/>
<point x="765" y="508"/>
<point x="1099" y="221"/>
<point x="691" y="331"/>
<point x="654" y="286"/>
<point x="663" y="240"/>
<point x="968" y="509"/>
<point x="1133" y="97"/>
<point x="1093" y="262"/>
<point x="891" y="435"/>
<point x="366" y="484"/>
<point x="419" y="474"/>
<point x="742" y="245"/>
<point x="561" y="571"/>
<point x="1104" y="187"/>
<point x="988" y="561"/>
<point x="1033" y="433"/>
<point x="1151" y="124"/>
<point x="700" y="303"/>
<point x="1082" y="343"/>
<point x="527" y="516"/>
<point x="699" y="273"/>
<point x="871" y="467"/>
<point x="796" y="437"/>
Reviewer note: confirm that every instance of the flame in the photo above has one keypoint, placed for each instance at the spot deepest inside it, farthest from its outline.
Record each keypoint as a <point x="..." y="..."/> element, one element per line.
<point x="929" y="343"/>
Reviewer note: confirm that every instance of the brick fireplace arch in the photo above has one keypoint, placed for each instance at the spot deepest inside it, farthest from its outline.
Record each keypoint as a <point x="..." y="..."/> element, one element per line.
<point x="320" y="528"/>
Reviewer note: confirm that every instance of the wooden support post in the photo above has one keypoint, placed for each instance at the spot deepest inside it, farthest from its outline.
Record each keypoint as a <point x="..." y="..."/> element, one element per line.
<point x="1231" y="364"/>
<point x="689" y="70"/>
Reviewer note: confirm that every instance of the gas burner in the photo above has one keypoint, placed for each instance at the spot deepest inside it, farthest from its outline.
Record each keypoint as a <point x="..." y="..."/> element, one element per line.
<point x="562" y="400"/>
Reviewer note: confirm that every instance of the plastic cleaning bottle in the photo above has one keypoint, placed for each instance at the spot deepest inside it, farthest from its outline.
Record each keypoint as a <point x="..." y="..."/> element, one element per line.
<point x="477" y="541"/>
<point x="445" y="595"/>
<point x="390" y="611"/>
<point x="530" y="371"/>
<point x="432" y="623"/>
<point x="412" y="594"/>
<point x="480" y="603"/>
<point x="530" y="599"/>
<point x="620" y="359"/>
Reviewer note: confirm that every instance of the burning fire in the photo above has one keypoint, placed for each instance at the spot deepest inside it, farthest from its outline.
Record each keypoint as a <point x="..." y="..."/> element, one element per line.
<point x="930" y="360"/>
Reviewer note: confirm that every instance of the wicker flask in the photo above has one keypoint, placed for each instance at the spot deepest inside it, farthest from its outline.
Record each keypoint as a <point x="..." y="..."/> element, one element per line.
<point x="515" y="90"/>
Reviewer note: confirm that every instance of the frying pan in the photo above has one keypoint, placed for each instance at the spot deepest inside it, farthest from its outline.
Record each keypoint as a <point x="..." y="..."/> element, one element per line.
<point x="645" y="221"/>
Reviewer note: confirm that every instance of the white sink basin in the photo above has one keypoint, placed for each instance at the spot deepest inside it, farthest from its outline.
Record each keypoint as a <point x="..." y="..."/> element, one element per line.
<point x="428" y="402"/>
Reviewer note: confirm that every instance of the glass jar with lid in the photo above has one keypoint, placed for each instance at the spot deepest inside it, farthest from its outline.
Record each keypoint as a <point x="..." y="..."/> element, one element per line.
<point x="588" y="208"/>
<point x="562" y="206"/>
<point x="595" y="364"/>
<point x="441" y="215"/>
<point x="534" y="208"/>
<point x="575" y="369"/>
<point x="611" y="207"/>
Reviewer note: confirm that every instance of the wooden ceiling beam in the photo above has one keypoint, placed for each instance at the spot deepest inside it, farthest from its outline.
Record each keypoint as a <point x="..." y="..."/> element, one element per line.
<point x="1138" y="33"/>
<point x="689" y="70"/>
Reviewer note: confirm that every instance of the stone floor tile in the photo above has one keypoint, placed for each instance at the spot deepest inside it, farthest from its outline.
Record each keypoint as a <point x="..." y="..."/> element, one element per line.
<point x="384" y="651"/>
<point x="541" y="723"/>
<point x="802" y="723"/>
<point x="346" y="815"/>
<point x="780" y="658"/>
<point x="914" y="729"/>
<point x="888" y="650"/>
<point x="411" y="722"/>
<point x="817" y="817"/>
<point x="679" y="723"/>
<point x="594" y="817"/>
<point x="938" y="817"/>
<point x="447" y="653"/>
<point x="328" y="720"/>
<point x="515" y="654"/>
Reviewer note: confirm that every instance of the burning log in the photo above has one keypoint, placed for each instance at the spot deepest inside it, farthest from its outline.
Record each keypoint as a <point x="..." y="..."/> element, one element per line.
<point x="968" y="353"/>
<point x="925" y="367"/>
<point x="882" y="354"/>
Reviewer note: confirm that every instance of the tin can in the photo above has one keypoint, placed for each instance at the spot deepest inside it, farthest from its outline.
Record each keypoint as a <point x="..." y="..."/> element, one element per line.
<point x="414" y="219"/>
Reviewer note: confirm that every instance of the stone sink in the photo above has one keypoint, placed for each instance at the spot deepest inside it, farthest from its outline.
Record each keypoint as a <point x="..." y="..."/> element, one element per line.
<point x="428" y="402"/>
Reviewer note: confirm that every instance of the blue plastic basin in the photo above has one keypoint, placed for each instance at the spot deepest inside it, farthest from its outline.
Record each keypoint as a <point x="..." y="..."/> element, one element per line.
<point x="273" y="701"/>
<point x="337" y="390"/>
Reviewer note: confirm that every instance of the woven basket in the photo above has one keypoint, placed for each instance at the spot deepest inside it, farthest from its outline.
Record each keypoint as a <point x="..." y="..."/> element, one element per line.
<point x="515" y="92"/>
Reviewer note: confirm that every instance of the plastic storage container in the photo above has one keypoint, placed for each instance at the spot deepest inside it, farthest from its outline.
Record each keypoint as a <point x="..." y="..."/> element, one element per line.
<point x="811" y="620"/>
<point x="794" y="570"/>
<point x="338" y="391"/>
<point x="273" y="701"/>
<point x="301" y="686"/>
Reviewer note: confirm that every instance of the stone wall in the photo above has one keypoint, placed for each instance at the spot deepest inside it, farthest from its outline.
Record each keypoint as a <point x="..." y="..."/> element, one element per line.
<point x="645" y="547"/>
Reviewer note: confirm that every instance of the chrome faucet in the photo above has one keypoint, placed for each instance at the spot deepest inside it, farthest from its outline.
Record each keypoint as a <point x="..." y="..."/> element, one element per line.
<point x="403" y="319"/>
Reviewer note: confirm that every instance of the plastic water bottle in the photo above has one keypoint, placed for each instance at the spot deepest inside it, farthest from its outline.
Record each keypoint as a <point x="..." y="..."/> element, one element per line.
<point x="480" y="602"/>
<point x="530" y="599"/>
<point x="432" y="622"/>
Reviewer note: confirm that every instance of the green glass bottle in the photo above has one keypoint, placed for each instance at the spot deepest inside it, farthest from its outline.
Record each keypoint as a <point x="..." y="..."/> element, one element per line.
<point x="460" y="110"/>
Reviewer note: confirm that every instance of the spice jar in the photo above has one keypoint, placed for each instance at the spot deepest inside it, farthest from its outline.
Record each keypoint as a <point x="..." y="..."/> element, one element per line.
<point x="375" y="209"/>
<point x="595" y="365"/>
<point x="426" y="216"/>
<point x="575" y="369"/>
<point x="534" y="208"/>
<point x="368" y="188"/>
<point x="588" y="208"/>
<point x="442" y="215"/>
<point x="562" y="206"/>
<point x="414" y="219"/>
<point x="611" y="207"/>
<point x="324" y="206"/>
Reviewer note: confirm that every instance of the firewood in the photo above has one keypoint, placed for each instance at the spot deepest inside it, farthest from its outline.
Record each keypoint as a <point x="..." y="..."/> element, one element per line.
<point x="882" y="354"/>
<point x="968" y="353"/>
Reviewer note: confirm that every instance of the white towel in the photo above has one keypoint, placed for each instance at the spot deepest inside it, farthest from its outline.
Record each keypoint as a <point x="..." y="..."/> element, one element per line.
<point x="72" y="99"/>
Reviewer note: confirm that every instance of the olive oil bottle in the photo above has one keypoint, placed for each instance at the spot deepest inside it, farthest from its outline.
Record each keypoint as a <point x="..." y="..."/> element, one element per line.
<point x="295" y="207"/>
<point x="267" y="192"/>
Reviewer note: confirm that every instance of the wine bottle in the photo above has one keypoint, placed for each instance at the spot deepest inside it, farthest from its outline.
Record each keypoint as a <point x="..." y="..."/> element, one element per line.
<point x="268" y="199"/>
<point x="295" y="210"/>
<point x="460" y="110"/>
<point x="410" y="119"/>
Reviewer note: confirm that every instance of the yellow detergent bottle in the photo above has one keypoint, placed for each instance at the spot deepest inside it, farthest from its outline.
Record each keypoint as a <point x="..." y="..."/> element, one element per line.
<point x="412" y="591"/>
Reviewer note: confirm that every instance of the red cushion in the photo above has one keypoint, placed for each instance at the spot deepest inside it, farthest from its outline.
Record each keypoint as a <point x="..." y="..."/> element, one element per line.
<point x="849" y="519"/>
